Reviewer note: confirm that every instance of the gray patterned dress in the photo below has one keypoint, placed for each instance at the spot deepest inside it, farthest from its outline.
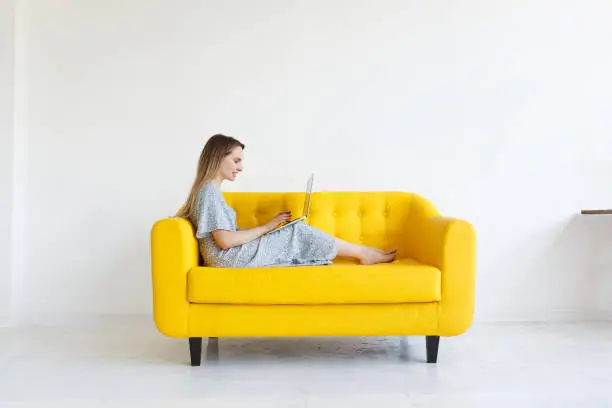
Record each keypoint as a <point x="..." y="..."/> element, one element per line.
<point x="298" y="244"/>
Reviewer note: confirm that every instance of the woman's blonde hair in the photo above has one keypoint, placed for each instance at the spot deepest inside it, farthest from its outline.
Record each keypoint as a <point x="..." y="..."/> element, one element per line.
<point x="215" y="150"/>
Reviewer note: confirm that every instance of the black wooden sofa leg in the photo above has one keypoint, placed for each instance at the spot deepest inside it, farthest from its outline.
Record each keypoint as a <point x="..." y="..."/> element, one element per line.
<point x="432" y="343"/>
<point x="195" y="350"/>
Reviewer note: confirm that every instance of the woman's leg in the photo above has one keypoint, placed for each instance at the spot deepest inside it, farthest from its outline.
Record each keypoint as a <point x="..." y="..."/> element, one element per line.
<point x="307" y="242"/>
<point x="365" y="255"/>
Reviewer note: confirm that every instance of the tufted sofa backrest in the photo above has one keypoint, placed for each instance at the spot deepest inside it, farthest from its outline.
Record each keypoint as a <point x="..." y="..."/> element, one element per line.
<point x="378" y="219"/>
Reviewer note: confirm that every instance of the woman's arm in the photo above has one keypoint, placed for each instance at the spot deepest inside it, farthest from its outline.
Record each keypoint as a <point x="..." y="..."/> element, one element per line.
<point x="229" y="239"/>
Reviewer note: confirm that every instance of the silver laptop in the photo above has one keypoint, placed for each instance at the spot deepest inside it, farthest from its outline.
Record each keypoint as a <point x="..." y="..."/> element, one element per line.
<point x="306" y="211"/>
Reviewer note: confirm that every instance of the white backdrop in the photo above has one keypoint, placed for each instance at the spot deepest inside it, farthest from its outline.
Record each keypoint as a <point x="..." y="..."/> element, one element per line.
<point x="6" y="154"/>
<point x="499" y="112"/>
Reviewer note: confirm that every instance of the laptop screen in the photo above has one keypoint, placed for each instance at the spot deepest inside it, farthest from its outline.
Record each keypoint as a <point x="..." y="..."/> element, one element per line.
<point x="307" y="199"/>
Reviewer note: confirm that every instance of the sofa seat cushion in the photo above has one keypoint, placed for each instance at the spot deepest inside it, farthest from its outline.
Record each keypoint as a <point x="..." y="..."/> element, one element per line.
<point x="343" y="282"/>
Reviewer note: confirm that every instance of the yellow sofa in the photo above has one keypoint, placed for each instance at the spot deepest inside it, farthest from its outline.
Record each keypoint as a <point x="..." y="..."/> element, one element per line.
<point x="428" y="290"/>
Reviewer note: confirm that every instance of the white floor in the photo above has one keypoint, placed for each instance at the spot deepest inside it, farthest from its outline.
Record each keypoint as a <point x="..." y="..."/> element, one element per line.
<point x="121" y="365"/>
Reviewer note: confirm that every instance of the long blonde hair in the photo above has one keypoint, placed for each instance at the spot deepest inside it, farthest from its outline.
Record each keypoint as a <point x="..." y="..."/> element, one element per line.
<point x="215" y="150"/>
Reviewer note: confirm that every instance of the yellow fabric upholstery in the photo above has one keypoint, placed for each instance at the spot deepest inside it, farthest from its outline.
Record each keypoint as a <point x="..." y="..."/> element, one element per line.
<point x="404" y="281"/>
<point x="429" y="290"/>
<point x="306" y="320"/>
<point x="369" y="218"/>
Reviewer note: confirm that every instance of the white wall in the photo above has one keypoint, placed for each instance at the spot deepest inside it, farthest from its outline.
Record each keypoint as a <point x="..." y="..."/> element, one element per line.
<point x="599" y="266"/>
<point x="497" y="111"/>
<point x="6" y="155"/>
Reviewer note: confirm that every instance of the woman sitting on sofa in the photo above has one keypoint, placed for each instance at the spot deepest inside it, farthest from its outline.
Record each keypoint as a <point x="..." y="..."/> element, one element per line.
<point x="222" y="244"/>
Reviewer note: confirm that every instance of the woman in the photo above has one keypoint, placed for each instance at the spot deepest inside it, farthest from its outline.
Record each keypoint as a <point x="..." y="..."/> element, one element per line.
<point x="222" y="244"/>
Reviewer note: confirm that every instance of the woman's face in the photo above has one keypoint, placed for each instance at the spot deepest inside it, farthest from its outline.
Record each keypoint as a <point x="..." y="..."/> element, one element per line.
<point x="232" y="164"/>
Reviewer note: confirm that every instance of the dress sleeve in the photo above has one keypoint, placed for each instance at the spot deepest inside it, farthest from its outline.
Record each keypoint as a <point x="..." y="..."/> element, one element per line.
<point x="211" y="212"/>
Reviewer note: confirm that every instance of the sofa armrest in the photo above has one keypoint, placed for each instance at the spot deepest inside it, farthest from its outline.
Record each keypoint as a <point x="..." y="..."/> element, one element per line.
<point x="174" y="251"/>
<point x="450" y="245"/>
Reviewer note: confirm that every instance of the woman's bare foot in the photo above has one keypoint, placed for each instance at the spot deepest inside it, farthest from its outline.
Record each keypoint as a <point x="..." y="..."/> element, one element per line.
<point x="366" y="255"/>
<point x="373" y="256"/>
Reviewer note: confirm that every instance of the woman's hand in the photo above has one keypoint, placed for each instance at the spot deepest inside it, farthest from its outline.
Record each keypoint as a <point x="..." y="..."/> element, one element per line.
<point x="276" y="221"/>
